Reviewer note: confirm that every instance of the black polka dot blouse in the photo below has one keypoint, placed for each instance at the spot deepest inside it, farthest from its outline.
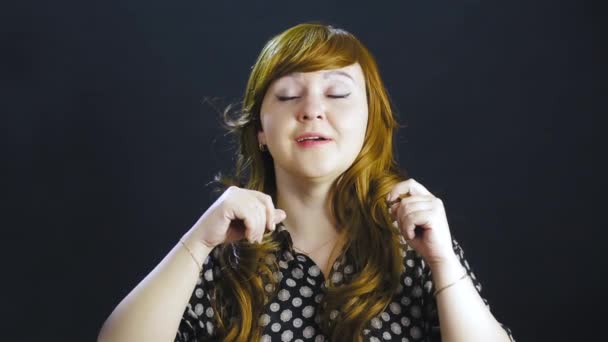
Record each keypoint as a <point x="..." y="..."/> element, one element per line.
<point x="293" y="314"/>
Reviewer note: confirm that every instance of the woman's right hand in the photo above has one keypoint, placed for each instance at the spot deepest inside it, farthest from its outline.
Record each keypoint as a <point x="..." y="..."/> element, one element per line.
<point x="238" y="213"/>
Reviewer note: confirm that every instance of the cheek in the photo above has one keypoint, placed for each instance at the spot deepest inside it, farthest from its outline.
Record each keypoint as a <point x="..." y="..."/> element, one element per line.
<point x="354" y="125"/>
<point x="274" y="126"/>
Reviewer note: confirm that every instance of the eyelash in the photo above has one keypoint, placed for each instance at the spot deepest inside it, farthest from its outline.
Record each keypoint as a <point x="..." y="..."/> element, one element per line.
<point x="287" y="98"/>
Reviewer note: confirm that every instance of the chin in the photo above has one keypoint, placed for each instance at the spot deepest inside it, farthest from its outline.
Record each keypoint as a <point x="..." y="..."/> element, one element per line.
<point x="319" y="172"/>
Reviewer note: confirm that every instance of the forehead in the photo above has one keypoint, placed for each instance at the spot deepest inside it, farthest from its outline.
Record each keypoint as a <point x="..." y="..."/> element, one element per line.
<point x="351" y="73"/>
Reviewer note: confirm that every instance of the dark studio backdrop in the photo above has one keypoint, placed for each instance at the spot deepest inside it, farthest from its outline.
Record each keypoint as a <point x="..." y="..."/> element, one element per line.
<point x="110" y="144"/>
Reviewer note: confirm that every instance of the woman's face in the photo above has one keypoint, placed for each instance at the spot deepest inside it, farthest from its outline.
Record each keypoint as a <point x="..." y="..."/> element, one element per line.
<point x="314" y="123"/>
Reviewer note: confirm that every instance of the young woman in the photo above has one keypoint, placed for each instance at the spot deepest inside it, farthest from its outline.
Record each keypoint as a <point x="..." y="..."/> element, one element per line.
<point x="318" y="236"/>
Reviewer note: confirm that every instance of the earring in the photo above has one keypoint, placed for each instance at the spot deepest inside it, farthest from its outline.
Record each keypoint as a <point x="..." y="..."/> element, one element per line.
<point x="262" y="147"/>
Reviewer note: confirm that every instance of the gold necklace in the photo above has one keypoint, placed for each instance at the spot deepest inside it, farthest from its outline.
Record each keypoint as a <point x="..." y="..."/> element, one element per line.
<point x="314" y="249"/>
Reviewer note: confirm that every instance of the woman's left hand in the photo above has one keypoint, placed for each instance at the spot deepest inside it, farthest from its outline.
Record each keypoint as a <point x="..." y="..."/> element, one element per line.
<point x="418" y="208"/>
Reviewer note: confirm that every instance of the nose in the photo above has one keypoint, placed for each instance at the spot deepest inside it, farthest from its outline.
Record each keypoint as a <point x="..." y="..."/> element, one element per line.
<point x="312" y="108"/>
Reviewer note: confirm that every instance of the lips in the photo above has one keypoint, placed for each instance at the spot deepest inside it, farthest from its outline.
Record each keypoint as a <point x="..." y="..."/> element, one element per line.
<point x="312" y="136"/>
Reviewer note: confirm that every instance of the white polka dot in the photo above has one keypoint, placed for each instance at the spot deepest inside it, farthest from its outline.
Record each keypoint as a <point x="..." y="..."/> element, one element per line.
<point x="269" y="288"/>
<point x="386" y="335"/>
<point x="334" y="314"/>
<point x="283" y="295"/>
<point x="415" y="332"/>
<point x="209" y="312"/>
<point x="274" y="307"/>
<point x="297" y="301"/>
<point x="385" y="316"/>
<point x="308" y="311"/>
<point x="283" y="264"/>
<point x="286" y="315"/>
<point x="395" y="308"/>
<point x="348" y="269"/>
<point x="376" y="323"/>
<point x="336" y="265"/>
<point x="406" y="301"/>
<point x="320" y="338"/>
<point x="208" y="275"/>
<point x="396" y="328"/>
<point x="290" y="282"/>
<point x="374" y="339"/>
<point x="311" y="281"/>
<point x="199" y="292"/>
<point x="210" y="328"/>
<point x="266" y="338"/>
<point x="198" y="309"/>
<point x="297" y="322"/>
<point x="287" y="336"/>
<point x="264" y="320"/>
<point x="405" y="321"/>
<point x="305" y="291"/>
<point x="275" y="327"/>
<point x="308" y="332"/>
<point x="428" y="286"/>
<point x="407" y="281"/>
<point x="297" y="273"/>
<point x="301" y="258"/>
<point x="314" y="270"/>
<point x="410" y="262"/>
<point x="336" y="277"/>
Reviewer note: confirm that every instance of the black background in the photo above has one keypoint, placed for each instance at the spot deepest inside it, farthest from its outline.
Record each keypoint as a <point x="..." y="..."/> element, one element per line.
<point x="110" y="143"/>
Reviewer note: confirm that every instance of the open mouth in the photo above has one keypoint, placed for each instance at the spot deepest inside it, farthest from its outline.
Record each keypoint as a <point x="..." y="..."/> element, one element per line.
<point x="311" y="139"/>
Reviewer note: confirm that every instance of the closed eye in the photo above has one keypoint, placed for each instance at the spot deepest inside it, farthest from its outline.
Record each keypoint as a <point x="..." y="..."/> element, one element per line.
<point x="286" y="98"/>
<point x="338" y="96"/>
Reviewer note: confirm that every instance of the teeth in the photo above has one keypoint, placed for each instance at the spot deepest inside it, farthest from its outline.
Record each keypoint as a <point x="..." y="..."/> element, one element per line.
<point x="310" y="138"/>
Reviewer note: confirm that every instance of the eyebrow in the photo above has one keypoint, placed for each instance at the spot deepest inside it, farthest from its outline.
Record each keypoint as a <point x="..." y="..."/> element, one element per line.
<point x="337" y="72"/>
<point x="326" y="75"/>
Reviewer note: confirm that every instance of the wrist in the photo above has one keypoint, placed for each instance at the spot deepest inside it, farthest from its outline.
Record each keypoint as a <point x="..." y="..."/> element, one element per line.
<point x="446" y="271"/>
<point x="199" y="250"/>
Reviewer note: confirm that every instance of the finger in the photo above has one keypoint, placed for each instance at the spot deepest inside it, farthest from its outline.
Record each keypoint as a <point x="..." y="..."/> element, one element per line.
<point x="261" y="221"/>
<point x="408" y="201"/>
<point x="250" y="223"/>
<point x="406" y="227"/>
<point x="266" y="201"/>
<point x="253" y="218"/>
<point x="411" y="221"/>
<point x="405" y="209"/>
<point x="409" y="186"/>
<point x="279" y="215"/>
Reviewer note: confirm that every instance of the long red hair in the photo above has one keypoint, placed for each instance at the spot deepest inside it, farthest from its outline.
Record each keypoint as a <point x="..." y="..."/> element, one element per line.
<point x="357" y="196"/>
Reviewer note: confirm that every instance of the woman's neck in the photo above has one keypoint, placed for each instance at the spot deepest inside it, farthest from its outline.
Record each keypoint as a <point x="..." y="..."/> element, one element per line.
<point x="309" y="219"/>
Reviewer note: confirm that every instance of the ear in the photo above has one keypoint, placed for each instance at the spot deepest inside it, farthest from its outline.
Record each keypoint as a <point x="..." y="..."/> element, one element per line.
<point x="261" y="137"/>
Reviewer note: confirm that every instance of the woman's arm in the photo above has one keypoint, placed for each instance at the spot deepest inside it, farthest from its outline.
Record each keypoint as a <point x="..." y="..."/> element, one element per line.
<point x="153" y="309"/>
<point x="463" y="315"/>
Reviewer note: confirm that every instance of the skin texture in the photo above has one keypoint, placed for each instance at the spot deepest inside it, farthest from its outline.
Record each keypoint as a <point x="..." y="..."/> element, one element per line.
<point x="330" y="102"/>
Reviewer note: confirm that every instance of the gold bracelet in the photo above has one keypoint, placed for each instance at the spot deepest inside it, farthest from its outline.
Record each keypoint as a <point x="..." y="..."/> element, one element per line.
<point x="200" y="267"/>
<point x="452" y="284"/>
